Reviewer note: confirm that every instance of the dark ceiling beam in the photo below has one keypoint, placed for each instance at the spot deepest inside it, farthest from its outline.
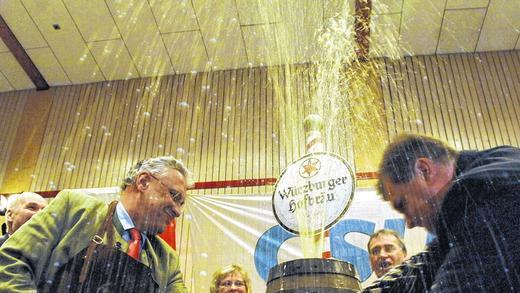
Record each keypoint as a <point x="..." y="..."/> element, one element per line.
<point x="362" y="28"/>
<point x="21" y="56"/>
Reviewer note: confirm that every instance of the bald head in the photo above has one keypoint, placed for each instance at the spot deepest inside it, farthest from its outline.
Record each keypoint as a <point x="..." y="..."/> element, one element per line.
<point x="21" y="207"/>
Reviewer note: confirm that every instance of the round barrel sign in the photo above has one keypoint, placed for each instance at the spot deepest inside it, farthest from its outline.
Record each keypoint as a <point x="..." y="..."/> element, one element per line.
<point x="313" y="193"/>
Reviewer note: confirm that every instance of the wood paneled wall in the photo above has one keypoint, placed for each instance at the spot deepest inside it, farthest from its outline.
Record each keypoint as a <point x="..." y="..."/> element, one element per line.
<point x="472" y="101"/>
<point x="11" y="111"/>
<point x="248" y="123"/>
<point x="224" y="125"/>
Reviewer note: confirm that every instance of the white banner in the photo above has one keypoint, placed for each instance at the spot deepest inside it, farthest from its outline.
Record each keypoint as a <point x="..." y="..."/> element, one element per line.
<point x="218" y="230"/>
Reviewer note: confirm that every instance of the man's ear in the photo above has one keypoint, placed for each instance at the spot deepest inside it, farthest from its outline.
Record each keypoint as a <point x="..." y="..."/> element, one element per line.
<point x="142" y="181"/>
<point x="9" y="215"/>
<point x="424" y="167"/>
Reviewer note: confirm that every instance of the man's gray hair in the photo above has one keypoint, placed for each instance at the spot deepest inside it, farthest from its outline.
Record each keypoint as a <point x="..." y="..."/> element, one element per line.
<point x="156" y="166"/>
<point x="14" y="200"/>
<point x="400" y="156"/>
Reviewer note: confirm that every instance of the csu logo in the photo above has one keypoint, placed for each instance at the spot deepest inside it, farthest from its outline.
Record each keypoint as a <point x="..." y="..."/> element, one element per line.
<point x="268" y="245"/>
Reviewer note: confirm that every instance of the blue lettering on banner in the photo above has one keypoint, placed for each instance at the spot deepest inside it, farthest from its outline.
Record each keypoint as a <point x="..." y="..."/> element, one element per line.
<point x="268" y="245"/>
<point x="397" y="225"/>
<point x="266" y="250"/>
<point x="345" y="251"/>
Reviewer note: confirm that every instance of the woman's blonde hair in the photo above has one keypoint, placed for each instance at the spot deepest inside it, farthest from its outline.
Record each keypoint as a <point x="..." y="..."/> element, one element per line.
<point x="222" y="273"/>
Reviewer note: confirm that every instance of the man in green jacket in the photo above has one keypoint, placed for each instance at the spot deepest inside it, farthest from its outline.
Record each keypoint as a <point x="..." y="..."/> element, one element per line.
<point x="50" y="250"/>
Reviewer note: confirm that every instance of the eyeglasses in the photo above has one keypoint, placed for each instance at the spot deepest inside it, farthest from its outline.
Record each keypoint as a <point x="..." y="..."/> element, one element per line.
<point x="174" y="194"/>
<point x="230" y="283"/>
<point x="388" y="248"/>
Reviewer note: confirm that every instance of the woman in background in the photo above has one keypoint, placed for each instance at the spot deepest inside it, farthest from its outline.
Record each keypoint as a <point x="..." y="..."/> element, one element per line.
<point x="231" y="278"/>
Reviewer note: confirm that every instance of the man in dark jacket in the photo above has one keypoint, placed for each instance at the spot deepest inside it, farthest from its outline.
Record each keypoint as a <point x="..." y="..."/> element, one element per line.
<point x="469" y="199"/>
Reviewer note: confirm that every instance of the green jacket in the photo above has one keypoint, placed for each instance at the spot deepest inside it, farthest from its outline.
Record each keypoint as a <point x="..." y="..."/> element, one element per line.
<point x="52" y="237"/>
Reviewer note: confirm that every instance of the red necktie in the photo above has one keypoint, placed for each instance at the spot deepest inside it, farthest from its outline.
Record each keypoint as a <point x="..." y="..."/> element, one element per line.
<point x="135" y="243"/>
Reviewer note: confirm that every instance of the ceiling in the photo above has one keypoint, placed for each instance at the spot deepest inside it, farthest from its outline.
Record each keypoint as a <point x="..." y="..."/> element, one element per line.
<point x="101" y="40"/>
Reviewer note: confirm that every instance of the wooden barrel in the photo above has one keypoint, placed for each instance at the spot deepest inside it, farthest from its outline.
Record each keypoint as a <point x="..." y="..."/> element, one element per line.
<point x="313" y="275"/>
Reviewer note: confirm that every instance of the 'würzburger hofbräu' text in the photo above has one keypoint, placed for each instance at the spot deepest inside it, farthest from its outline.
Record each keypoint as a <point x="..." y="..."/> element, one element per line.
<point x="303" y="199"/>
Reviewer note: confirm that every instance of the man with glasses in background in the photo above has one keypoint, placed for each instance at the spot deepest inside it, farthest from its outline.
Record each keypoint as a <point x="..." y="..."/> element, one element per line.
<point x="79" y="243"/>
